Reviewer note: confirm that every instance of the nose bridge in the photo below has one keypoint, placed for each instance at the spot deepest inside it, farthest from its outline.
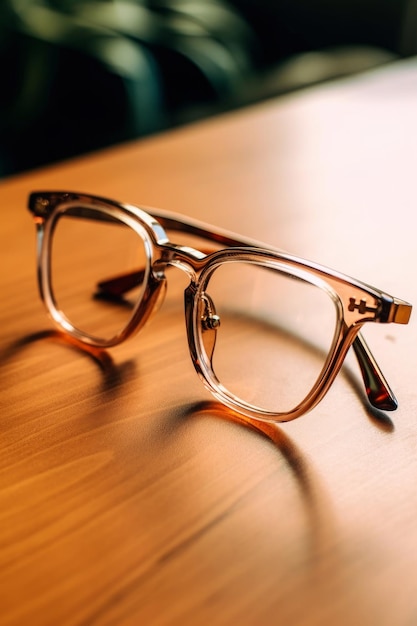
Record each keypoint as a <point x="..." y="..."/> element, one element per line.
<point x="185" y="258"/>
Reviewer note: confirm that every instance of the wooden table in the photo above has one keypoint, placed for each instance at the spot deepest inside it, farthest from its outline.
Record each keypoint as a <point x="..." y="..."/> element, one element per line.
<point x="127" y="496"/>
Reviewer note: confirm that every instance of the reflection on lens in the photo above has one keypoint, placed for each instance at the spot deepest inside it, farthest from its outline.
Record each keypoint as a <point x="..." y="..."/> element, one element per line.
<point x="87" y="249"/>
<point x="276" y="330"/>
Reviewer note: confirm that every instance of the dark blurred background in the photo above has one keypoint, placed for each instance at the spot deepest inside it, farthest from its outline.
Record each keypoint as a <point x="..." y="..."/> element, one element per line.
<point x="77" y="75"/>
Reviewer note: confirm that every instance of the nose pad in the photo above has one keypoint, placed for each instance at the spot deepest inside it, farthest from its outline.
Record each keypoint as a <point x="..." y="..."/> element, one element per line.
<point x="155" y="294"/>
<point x="210" y="322"/>
<point x="160" y="288"/>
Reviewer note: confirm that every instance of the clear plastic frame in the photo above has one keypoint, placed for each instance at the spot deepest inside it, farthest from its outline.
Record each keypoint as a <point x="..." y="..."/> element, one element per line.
<point x="267" y="331"/>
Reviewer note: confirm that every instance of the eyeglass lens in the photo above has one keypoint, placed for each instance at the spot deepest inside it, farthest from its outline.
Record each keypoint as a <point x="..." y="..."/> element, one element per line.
<point x="86" y="247"/>
<point x="275" y="333"/>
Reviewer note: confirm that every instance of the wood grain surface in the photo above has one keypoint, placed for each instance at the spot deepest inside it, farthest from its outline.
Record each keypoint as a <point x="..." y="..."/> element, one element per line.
<point x="128" y="496"/>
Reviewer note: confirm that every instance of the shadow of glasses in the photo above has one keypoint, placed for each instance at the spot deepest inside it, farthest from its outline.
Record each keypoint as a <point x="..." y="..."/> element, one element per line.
<point x="318" y="509"/>
<point x="112" y="375"/>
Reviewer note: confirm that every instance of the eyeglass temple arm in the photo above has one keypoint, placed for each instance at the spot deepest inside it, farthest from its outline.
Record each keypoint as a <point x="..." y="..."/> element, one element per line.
<point x="116" y="286"/>
<point x="377" y="388"/>
<point x="218" y="236"/>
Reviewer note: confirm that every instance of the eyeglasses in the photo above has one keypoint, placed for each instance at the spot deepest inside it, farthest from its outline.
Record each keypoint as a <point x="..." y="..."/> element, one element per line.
<point x="267" y="331"/>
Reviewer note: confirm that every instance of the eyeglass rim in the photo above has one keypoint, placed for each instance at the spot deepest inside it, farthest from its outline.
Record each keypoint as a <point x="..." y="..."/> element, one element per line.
<point x="203" y="361"/>
<point x="151" y="289"/>
<point x="43" y="204"/>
